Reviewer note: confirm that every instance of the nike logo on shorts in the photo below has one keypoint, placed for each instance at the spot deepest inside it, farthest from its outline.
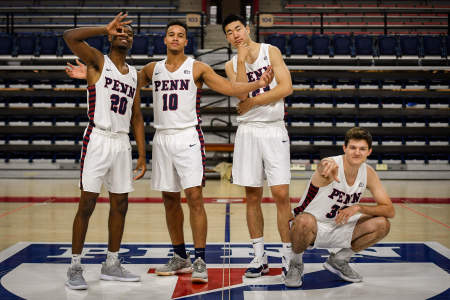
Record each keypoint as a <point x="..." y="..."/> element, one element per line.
<point x="192" y="145"/>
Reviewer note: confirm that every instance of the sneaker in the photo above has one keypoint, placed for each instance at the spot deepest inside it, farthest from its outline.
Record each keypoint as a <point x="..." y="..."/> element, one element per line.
<point x="175" y="265"/>
<point x="284" y="266"/>
<point x="342" y="269"/>
<point x="257" y="267"/>
<point x="200" y="274"/>
<point x="75" y="279"/>
<point x="115" y="271"/>
<point x="295" y="275"/>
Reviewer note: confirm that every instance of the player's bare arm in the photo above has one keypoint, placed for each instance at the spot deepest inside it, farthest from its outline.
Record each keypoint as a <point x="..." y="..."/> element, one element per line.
<point x="205" y="74"/>
<point x="282" y="90"/>
<point x="137" y="123"/>
<point x="383" y="207"/>
<point x="146" y="74"/>
<point x="326" y="172"/>
<point x="75" y="39"/>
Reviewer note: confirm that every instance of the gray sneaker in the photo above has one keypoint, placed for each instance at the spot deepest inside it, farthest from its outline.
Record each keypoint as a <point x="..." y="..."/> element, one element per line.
<point x="294" y="275"/>
<point x="75" y="279"/>
<point x="115" y="271"/>
<point x="200" y="274"/>
<point x="175" y="265"/>
<point x="341" y="268"/>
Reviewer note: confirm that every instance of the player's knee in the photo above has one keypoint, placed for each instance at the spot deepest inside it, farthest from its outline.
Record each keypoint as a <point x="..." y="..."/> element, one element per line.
<point x="383" y="226"/>
<point x="85" y="211"/>
<point x="304" y="222"/>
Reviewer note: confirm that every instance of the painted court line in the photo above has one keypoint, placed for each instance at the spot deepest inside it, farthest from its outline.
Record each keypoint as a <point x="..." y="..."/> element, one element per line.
<point x="17" y="209"/>
<point x="424" y="215"/>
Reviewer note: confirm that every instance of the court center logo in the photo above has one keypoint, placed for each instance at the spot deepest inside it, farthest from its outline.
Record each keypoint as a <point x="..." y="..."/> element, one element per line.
<point x="38" y="271"/>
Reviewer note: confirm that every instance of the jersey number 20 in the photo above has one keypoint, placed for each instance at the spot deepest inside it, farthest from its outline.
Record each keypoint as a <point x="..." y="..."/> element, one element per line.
<point x="118" y="104"/>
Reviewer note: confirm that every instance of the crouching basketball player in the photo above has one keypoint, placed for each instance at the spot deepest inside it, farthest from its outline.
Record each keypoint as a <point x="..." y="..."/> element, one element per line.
<point x="329" y="214"/>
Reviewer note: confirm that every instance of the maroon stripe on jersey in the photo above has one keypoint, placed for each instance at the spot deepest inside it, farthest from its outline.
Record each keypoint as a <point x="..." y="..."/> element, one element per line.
<point x="91" y="103"/>
<point x="312" y="192"/>
<point x="86" y="140"/>
<point x="202" y="148"/>
<point x="197" y="106"/>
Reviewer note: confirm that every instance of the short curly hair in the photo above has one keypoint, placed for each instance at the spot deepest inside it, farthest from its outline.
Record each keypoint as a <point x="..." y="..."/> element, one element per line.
<point x="358" y="133"/>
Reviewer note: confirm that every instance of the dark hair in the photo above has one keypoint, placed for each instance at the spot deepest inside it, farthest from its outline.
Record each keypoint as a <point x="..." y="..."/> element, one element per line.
<point x="179" y="23"/>
<point x="358" y="133"/>
<point x="231" y="18"/>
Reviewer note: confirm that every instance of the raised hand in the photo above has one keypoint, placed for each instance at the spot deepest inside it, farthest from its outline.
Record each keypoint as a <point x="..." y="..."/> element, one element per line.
<point x="267" y="77"/>
<point x="79" y="71"/>
<point x="328" y="169"/>
<point x="242" y="51"/>
<point x="115" y="27"/>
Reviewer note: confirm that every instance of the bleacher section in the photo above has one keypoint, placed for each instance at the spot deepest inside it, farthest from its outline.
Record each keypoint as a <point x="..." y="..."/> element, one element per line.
<point x="390" y="78"/>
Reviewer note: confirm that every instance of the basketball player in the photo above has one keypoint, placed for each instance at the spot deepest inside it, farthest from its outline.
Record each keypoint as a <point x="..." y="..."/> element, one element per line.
<point x="329" y="214"/>
<point x="178" y="156"/>
<point x="262" y="142"/>
<point x="113" y="105"/>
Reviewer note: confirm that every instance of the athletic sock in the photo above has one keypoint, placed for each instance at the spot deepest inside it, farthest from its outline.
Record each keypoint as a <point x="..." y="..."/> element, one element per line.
<point x="297" y="257"/>
<point x="258" y="246"/>
<point x="76" y="259"/>
<point x="286" y="251"/>
<point x="111" y="257"/>
<point x="180" y="250"/>
<point x="344" y="254"/>
<point x="200" y="252"/>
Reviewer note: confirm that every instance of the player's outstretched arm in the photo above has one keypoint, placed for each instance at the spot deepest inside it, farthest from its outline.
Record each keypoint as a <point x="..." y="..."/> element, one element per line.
<point x="137" y="123"/>
<point x="227" y="87"/>
<point x="326" y="172"/>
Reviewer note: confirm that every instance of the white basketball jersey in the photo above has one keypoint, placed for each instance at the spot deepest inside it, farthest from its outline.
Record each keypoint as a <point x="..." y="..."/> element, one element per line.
<point x="176" y="102"/>
<point x="110" y="100"/>
<point x="264" y="113"/>
<point x="324" y="202"/>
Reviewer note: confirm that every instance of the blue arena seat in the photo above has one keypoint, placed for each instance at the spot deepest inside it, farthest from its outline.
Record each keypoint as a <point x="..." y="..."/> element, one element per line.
<point x="278" y="41"/>
<point x="191" y="47"/>
<point x="299" y="44"/>
<point x="97" y="42"/>
<point x="63" y="49"/>
<point x="432" y="45"/>
<point x="158" y="46"/>
<point x="48" y="44"/>
<point x="141" y="44"/>
<point x="6" y="44"/>
<point x="388" y="45"/>
<point x="410" y="45"/>
<point x="343" y="45"/>
<point x="320" y="44"/>
<point x="364" y="45"/>
<point x="26" y="44"/>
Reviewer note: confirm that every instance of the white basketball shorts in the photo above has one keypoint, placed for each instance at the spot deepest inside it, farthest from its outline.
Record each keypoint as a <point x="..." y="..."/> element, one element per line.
<point x="332" y="235"/>
<point x="261" y="148"/>
<point x="106" y="159"/>
<point x="178" y="159"/>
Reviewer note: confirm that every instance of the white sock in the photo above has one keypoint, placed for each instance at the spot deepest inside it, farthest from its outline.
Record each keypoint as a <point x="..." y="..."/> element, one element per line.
<point x="111" y="257"/>
<point x="287" y="251"/>
<point x="258" y="246"/>
<point x="297" y="257"/>
<point x="76" y="259"/>
<point x="344" y="254"/>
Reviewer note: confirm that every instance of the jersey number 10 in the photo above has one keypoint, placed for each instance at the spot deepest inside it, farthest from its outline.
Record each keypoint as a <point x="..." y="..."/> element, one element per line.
<point x="172" y="104"/>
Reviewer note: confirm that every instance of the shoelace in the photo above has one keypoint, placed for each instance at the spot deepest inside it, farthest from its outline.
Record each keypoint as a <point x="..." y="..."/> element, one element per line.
<point x="198" y="267"/>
